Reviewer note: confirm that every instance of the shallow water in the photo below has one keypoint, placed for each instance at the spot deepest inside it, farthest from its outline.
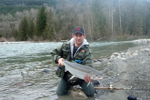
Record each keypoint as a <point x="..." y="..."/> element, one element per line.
<point x="31" y="58"/>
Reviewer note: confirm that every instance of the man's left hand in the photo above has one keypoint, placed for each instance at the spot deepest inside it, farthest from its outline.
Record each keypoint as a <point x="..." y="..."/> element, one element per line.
<point x="87" y="79"/>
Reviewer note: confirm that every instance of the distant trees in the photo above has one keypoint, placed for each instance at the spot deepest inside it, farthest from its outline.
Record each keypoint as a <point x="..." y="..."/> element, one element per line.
<point x="100" y="19"/>
<point x="27" y="28"/>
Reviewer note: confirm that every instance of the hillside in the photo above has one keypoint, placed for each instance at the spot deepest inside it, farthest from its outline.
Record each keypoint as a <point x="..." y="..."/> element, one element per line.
<point x="12" y="6"/>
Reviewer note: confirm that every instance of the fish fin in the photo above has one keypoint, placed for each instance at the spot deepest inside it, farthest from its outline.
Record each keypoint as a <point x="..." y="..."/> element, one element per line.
<point x="88" y="83"/>
<point x="72" y="77"/>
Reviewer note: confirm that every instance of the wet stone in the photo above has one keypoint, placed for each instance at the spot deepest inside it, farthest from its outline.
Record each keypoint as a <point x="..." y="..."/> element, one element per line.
<point x="46" y="70"/>
<point x="22" y="84"/>
<point x="95" y="82"/>
<point x="110" y="73"/>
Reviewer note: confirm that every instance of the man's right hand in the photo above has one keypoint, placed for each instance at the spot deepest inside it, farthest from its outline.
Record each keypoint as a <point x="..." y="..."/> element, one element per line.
<point x="87" y="79"/>
<point x="60" y="61"/>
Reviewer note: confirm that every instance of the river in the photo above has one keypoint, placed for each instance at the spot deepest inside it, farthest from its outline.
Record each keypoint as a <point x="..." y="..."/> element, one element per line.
<point x="22" y="64"/>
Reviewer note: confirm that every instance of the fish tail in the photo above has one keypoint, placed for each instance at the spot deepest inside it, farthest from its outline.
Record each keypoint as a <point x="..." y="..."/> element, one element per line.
<point x="88" y="83"/>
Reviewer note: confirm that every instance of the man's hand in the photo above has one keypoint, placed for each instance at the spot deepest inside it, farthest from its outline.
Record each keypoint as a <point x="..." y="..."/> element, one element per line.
<point x="60" y="63"/>
<point x="87" y="79"/>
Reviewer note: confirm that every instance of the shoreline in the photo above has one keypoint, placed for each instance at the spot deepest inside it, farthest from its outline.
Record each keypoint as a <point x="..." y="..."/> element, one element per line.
<point x="126" y="69"/>
<point x="119" y="38"/>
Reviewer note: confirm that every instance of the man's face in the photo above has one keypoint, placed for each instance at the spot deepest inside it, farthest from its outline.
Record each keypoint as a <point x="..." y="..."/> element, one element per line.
<point x="78" y="37"/>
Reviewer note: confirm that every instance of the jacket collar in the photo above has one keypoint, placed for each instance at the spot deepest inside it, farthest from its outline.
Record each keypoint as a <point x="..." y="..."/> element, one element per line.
<point x="71" y="46"/>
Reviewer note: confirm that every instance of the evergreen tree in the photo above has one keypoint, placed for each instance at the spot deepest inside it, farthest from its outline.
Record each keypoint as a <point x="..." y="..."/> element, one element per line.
<point x="49" y="30"/>
<point x="23" y="30"/>
<point x="147" y="21"/>
<point x="16" y="34"/>
<point x="41" y="22"/>
<point x="31" y="29"/>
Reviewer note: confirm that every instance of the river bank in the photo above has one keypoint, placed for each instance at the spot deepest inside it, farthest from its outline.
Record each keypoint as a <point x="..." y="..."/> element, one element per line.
<point x="39" y="39"/>
<point x="130" y="69"/>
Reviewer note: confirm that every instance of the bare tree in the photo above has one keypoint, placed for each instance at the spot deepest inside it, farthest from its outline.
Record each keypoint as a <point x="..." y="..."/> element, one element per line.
<point x="112" y="34"/>
<point x="120" y="19"/>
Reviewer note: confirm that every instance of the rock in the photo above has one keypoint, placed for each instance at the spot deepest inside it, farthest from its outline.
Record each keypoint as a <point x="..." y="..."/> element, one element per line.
<point x="78" y="93"/>
<point x="22" y="84"/>
<point x="95" y="82"/>
<point x="110" y="73"/>
<point x="94" y="60"/>
<point x="135" y="54"/>
<point x="109" y="63"/>
<point x="25" y="74"/>
<point x="46" y="70"/>
<point x="123" y="58"/>
<point x="112" y="57"/>
<point x="142" y="41"/>
<point x="146" y="50"/>
<point x="116" y="54"/>
<point x="105" y="60"/>
<point x="100" y="60"/>
<point x="97" y="63"/>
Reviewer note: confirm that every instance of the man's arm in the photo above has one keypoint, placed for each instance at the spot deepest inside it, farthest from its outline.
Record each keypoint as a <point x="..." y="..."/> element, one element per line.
<point x="56" y="54"/>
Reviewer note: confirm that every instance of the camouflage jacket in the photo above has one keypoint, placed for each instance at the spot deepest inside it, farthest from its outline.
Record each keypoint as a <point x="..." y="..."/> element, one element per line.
<point x="66" y="51"/>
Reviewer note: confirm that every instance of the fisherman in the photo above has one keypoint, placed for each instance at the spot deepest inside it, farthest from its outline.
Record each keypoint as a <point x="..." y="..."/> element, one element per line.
<point x="76" y="49"/>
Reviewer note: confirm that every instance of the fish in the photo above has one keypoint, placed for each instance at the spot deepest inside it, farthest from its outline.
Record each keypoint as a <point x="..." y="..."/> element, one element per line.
<point x="79" y="70"/>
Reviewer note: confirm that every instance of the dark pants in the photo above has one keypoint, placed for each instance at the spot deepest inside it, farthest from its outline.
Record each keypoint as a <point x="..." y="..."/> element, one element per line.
<point x="64" y="86"/>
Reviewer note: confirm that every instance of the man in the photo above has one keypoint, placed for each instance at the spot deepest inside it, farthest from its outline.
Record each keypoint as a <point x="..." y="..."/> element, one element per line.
<point x="77" y="49"/>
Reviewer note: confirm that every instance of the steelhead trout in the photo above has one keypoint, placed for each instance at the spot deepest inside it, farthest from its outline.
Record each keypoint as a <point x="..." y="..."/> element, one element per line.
<point x="79" y="70"/>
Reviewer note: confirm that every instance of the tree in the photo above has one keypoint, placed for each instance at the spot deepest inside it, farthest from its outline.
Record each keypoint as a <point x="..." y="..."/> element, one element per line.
<point x="99" y="20"/>
<point x="120" y="19"/>
<point x="31" y="28"/>
<point x="41" y="22"/>
<point x="112" y="19"/>
<point x="50" y="29"/>
<point x="23" y="30"/>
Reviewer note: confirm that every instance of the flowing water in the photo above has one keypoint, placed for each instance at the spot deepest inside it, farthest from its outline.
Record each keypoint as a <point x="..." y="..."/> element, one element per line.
<point x="22" y="65"/>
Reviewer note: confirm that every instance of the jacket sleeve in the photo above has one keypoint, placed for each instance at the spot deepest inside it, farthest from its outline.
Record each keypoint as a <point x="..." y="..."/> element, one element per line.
<point x="56" y="54"/>
<point x="88" y="59"/>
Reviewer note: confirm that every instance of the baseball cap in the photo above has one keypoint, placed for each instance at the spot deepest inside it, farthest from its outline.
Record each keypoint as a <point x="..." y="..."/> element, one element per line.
<point x="78" y="29"/>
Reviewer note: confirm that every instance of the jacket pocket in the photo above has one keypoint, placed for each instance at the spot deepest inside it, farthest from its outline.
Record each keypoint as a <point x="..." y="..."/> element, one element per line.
<point x="65" y="53"/>
<point x="80" y="56"/>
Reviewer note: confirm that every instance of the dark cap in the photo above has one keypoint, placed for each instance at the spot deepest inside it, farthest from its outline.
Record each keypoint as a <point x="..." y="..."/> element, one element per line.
<point x="78" y="29"/>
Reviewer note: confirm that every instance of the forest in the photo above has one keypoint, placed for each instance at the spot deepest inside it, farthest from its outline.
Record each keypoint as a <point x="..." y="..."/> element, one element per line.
<point x="54" y="20"/>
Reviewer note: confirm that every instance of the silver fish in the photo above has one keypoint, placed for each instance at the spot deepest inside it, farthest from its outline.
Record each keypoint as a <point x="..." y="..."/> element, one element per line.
<point x="79" y="70"/>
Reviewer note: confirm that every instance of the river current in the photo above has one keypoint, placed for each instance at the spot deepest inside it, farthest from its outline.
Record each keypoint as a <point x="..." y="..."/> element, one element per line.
<point x="22" y="65"/>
